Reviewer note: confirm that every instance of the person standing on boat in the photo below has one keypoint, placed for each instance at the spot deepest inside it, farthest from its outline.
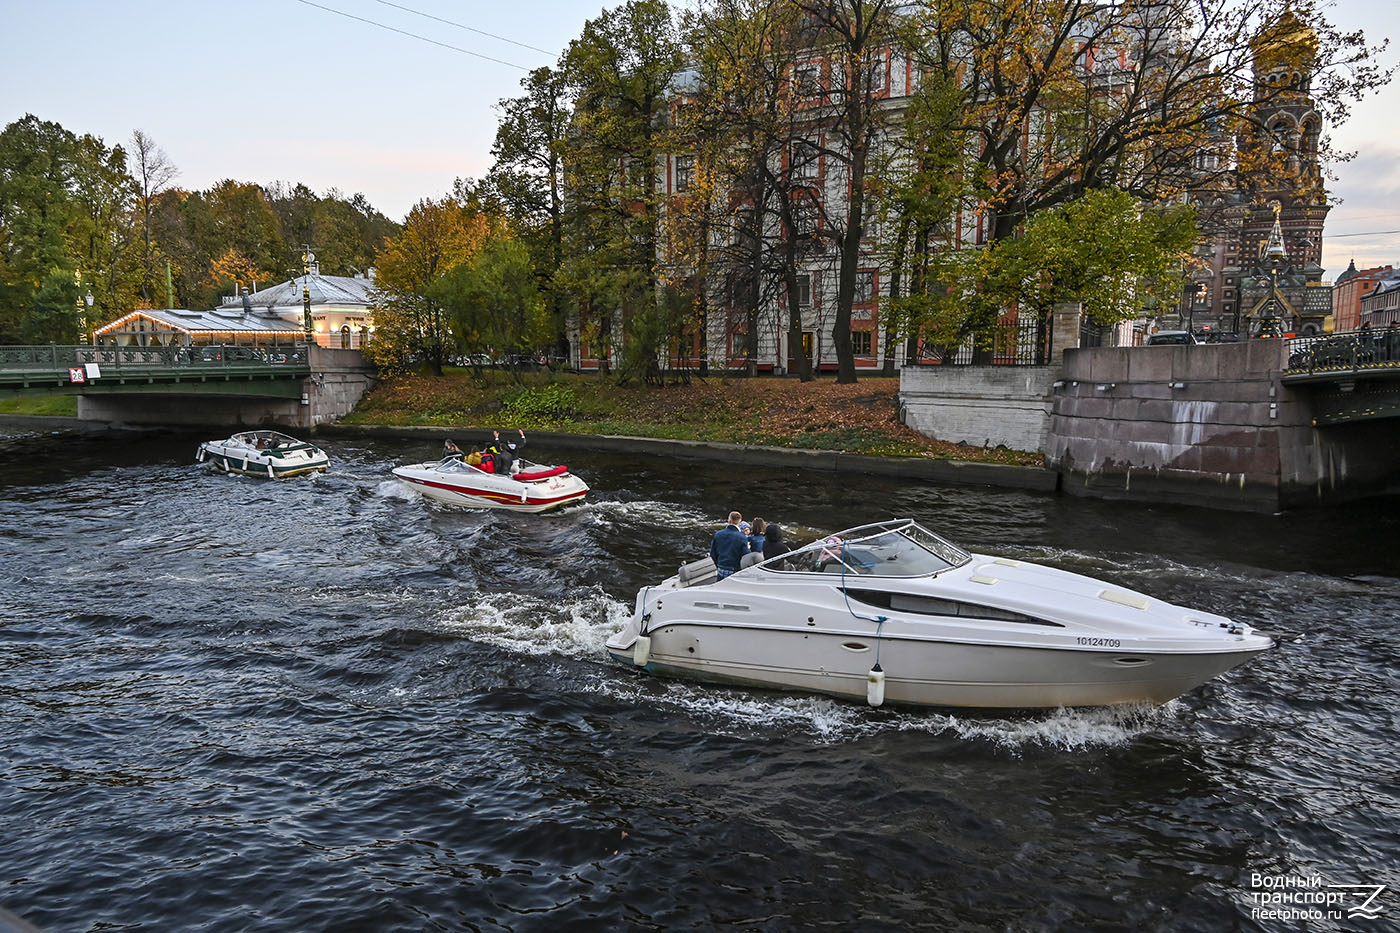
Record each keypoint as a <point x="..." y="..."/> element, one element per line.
<point x="729" y="547"/>
<point x="450" y="448"/>
<point x="504" y="452"/>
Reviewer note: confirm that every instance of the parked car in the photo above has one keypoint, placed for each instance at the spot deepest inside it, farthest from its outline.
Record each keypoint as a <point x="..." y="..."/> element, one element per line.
<point x="1168" y="337"/>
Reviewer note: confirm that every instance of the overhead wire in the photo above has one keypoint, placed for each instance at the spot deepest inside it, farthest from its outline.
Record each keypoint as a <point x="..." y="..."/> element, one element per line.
<point x="448" y="22"/>
<point x="413" y="35"/>
<point x="1335" y="236"/>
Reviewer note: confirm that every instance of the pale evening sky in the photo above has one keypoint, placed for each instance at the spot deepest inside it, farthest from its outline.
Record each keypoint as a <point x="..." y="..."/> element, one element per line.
<point x="287" y="90"/>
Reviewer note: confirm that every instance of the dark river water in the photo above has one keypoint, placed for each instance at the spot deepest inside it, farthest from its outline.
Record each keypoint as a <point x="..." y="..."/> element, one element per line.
<point x="323" y="704"/>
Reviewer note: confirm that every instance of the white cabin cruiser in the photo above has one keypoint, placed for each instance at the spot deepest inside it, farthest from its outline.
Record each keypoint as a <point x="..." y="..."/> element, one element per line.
<point x="263" y="453"/>
<point x="892" y="612"/>
<point x="529" y="487"/>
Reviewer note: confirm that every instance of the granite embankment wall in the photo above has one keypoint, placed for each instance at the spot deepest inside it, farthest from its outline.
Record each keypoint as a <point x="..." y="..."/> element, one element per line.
<point x="737" y="455"/>
<point x="1206" y="425"/>
<point x="986" y="406"/>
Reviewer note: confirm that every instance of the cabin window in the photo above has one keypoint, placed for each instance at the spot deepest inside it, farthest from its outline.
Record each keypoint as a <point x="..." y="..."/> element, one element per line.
<point x="947" y="608"/>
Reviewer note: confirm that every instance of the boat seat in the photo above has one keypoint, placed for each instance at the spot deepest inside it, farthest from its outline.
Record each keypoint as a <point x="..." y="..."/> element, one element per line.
<point x="749" y="559"/>
<point x="697" y="572"/>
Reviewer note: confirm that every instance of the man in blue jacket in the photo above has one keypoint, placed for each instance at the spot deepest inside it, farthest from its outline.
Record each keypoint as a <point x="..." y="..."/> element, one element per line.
<point x="729" y="547"/>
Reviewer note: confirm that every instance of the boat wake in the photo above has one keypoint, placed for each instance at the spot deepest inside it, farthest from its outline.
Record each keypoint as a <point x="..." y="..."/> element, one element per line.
<point x="743" y="714"/>
<point x="576" y="627"/>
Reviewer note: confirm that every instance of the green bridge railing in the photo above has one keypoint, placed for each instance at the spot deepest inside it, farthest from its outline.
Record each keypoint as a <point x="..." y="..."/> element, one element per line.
<point x="67" y="366"/>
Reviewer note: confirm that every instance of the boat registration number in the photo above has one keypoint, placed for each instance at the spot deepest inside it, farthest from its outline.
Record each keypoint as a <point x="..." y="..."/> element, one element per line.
<point x="1100" y="642"/>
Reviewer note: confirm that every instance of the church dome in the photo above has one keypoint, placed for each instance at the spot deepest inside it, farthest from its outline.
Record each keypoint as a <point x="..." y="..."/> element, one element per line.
<point x="1287" y="41"/>
<point x="1349" y="272"/>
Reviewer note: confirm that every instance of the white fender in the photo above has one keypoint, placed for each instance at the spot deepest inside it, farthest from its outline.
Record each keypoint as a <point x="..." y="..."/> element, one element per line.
<point x="875" y="686"/>
<point x="641" y="651"/>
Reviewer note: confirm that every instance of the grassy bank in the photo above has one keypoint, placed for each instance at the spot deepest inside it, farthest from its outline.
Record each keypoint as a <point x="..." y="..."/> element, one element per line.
<point x="819" y="415"/>
<point x="54" y="405"/>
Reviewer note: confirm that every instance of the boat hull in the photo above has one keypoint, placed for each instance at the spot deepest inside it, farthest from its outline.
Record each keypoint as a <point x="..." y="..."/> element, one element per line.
<point x="485" y="491"/>
<point x="927" y="672"/>
<point x="891" y="613"/>
<point x="261" y="464"/>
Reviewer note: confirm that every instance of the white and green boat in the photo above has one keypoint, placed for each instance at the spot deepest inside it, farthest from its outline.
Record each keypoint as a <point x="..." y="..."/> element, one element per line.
<point x="263" y="453"/>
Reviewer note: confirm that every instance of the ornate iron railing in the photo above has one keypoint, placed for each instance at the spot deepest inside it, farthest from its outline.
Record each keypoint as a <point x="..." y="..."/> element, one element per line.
<point x="1353" y="351"/>
<point x="1018" y="343"/>
<point x="26" y="365"/>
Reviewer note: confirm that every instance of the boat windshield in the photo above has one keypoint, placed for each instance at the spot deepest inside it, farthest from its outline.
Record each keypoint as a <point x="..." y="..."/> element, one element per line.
<point x="454" y="465"/>
<point x="902" y="549"/>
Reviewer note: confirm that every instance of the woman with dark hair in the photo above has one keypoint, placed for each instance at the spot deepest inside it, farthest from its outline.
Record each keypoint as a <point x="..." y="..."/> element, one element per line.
<point x="756" y="533"/>
<point x="773" y="543"/>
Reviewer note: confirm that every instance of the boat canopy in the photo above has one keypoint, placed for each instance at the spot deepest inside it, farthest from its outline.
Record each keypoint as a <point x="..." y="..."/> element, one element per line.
<point x="886" y="549"/>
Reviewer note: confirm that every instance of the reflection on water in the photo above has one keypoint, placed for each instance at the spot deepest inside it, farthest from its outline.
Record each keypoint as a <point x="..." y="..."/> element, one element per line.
<point x="231" y="703"/>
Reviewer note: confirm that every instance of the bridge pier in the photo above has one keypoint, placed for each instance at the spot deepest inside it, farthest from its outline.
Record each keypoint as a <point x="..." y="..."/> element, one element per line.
<point x="1213" y="425"/>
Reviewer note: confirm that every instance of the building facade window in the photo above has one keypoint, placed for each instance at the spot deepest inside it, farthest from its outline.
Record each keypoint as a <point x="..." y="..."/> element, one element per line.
<point x="804" y="290"/>
<point x="861" y="343"/>
<point x="685" y="173"/>
<point x="804" y="160"/>
<point x="865" y="287"/>
<point x="807" y="80"/>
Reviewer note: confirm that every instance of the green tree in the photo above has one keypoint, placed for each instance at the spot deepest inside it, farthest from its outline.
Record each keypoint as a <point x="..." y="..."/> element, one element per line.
<point x="1102" y="251"/>
<point x="528" y="177"/>
<point x="620" y="72"/>
<point x="65" y="230"/>
<point x="492" y="299"/>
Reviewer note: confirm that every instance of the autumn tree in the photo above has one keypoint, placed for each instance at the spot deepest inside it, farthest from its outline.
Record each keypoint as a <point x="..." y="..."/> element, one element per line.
<point x="920" y="185"/>
<point x="741" y="125"/>
<point x="1065" y="96"/>
<point x="858" y="38"/>
<point x="412" y="323"/>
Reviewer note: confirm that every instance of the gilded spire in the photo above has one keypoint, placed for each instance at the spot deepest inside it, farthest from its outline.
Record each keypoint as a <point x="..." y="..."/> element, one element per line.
<point x="1274" y="248"/>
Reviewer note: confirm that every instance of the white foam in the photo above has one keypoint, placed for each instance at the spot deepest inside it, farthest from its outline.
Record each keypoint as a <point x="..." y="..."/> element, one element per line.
<point x="741" y="713"/>
<point x="393" y="489"/>
<point x="650" y="511"/>
<point x="576" y="627"/>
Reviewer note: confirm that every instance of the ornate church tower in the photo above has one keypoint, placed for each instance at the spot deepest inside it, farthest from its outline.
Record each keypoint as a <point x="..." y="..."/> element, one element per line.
<point x="1285" y="202"/>
<point x="1267" y="233"/>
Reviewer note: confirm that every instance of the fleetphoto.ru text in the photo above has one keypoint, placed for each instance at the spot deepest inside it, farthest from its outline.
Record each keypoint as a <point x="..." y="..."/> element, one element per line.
<point x="1310" y="897"/>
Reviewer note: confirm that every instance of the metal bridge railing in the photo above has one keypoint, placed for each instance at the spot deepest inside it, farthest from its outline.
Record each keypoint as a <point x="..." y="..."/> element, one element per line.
<point x="27" y="365"/>
<point x="56" y="357"/>
<point x="1352" y="351"/>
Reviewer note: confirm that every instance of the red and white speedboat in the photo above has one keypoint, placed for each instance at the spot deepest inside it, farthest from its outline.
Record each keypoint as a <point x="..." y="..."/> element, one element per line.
<point x="530" y="487"/>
